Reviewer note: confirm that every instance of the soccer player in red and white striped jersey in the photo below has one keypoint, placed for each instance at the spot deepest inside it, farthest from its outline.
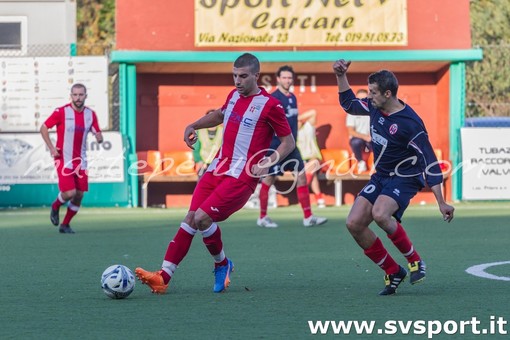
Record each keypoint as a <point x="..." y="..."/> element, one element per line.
<point x="73" y="122"/>
<point x="250" y="118"/>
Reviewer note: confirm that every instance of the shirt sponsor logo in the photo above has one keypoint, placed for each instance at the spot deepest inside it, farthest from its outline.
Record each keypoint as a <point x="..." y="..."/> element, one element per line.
<point x="238" y="119"/>
<point x="377" y="138"/>
<point x="254" y="108"/>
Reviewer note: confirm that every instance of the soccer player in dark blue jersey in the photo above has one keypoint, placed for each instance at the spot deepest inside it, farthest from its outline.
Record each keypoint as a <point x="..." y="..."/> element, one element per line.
<point x="404" y="162"/>
<point x="293" y="162"/>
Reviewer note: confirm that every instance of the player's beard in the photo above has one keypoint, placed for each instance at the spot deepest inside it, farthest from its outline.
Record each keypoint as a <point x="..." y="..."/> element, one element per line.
<point x="79" y="104"/>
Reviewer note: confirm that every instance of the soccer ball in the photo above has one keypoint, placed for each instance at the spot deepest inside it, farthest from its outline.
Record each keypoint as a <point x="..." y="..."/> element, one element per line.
<point x="117" y="281"/>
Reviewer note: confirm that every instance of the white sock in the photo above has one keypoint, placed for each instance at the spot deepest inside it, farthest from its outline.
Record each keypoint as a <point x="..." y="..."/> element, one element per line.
<point x="169" y="268"/>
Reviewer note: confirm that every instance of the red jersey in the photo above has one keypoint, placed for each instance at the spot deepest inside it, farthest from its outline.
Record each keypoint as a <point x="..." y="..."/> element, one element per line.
<point x="72" y="130"/>
<point x="249" y="124"/>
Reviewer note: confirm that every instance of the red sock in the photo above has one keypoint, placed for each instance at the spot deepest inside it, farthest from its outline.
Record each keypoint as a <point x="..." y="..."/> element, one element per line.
<point x="213" y="242"/>
<point x="319" y="196"/>
<point x="380" y="256"/>
<point x="402" y="242"/>
<point x="309" y="177"/>
<point x="58" y="202"/>
<point x="72" y="209"/>
<point x="304" y="199"/>
<point x="263" y="196"/>
<point x="179" y="246"/>
<point x="166" y="277"/>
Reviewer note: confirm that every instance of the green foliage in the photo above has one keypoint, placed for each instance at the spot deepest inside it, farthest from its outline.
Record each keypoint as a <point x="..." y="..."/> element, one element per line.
<point x="488" y="85"/>
<point x="96" y="25"/>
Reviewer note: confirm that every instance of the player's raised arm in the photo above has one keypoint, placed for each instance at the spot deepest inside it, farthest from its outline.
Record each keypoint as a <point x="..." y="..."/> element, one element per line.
<point x="340" y="68"/>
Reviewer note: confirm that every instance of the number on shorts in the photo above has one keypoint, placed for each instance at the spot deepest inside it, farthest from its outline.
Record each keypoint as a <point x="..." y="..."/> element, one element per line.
<point x="369" y="189"/>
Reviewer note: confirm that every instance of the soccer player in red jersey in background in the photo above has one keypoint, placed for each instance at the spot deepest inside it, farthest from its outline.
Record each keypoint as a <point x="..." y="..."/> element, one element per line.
<point x="404" y="162"/>
<point x="73" y="122"/>
<point x="250" y="118"/>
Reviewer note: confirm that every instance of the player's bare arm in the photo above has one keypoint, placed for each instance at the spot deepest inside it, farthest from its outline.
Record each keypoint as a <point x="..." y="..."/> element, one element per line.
<point x="99" y="137"/>
<point x="212" y="119"/>
<point x="446" y="209"/>
<point x="308" y="116"/>
<point x="340" y="68"/>
<point x="283" y="150"/>
<point x="54" y="152"/>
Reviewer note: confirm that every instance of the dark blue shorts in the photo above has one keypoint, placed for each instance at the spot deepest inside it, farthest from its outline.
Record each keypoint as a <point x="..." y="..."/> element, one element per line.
<point x="293" y="162"/>
<point x="401" y="189"/>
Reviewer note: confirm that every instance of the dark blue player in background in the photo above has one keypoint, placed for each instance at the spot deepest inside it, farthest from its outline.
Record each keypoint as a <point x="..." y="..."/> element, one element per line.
<point x="404" y="161"/>
<point x="293" y="162"/>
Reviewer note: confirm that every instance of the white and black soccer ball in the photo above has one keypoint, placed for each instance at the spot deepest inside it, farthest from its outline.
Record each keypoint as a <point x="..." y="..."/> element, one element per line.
<point x="118" y="281"/>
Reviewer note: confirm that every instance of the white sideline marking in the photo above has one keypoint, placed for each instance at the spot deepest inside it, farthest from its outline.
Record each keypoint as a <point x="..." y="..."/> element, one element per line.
<point x="479" y="270"/>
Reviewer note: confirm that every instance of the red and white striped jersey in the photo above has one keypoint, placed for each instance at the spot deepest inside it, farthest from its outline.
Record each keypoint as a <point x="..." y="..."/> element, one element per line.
<point x="72" y="130"/>
<point x="249" y="124"/>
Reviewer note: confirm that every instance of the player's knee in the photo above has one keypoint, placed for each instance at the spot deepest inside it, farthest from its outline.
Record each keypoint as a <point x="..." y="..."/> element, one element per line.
<point x="381" y="217"/>
<point x="69" y="195"/>
<point x="190" y="219"/>
<point x="356" y="143"/>
<point x="301" y="178"/>
<point x="201" y="220"/>
<point x="353" y="224"/>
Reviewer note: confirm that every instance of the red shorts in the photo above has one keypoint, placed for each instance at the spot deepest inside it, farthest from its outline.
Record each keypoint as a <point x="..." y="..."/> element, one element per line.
<point x="220" y="196"/>
<point x="69" y="179"/>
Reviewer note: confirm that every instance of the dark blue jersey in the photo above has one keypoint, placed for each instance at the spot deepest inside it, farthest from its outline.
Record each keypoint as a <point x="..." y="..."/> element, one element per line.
<point x="400" y="141"/>
<point x="289" y="104"/>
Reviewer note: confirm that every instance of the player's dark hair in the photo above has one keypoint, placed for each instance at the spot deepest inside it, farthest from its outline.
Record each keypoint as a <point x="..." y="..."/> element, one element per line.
<point x="385" y="80"/>
<point x="285" y="68"/>
<point x="248" y="60"/>
<point x="78" y="85"/>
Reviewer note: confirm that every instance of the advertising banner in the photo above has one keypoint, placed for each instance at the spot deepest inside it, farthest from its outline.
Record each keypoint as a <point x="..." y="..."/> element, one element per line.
<point x="31" y="89"/>
<point x="300" y="23"/>
<point x="25" y="159"/>
<point x="485" y="163"/>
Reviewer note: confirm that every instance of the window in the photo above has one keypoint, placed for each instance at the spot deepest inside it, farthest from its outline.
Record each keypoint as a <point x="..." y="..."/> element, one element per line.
<point x="13" y="36"/>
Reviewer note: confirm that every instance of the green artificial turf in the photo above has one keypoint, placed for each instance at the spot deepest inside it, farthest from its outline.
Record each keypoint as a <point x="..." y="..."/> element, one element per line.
<point x="283" y="278"/>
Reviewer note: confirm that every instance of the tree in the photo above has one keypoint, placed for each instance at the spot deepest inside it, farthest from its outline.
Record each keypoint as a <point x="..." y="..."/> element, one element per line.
<point x="487" y="81"/>
<point x="96" y="26"/>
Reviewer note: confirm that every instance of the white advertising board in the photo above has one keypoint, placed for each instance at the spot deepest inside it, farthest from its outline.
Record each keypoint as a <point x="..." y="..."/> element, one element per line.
<point x="485" y="163"/>
<point x="25" y="159"/>
<point x="31" y="89"/>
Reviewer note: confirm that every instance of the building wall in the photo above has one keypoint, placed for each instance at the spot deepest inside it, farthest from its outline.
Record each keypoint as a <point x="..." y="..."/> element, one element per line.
<point x="48" y="23"/>
<point x="168" y="101"/>
<point x="432" y="24"/>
